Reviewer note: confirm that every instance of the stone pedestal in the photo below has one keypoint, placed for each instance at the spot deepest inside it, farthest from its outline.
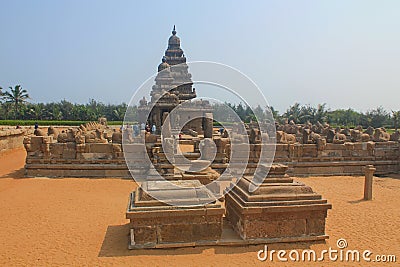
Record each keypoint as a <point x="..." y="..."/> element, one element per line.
<point x="279" y="208"/>
<point x="154" y="224"/>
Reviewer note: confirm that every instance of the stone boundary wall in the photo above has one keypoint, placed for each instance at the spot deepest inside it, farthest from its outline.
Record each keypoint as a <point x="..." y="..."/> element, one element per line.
<point x="334" y="159"/>
<point x="49" y="159"/>
<point x="11" y="138"/>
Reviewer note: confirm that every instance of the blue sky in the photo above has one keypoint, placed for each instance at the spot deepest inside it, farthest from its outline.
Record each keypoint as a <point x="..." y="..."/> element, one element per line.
<point x="343" y="53"/>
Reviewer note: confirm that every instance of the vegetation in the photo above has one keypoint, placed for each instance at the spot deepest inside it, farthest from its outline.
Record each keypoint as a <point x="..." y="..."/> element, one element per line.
<point x="16" y="110"/>
<point x="16" y="97"/>
<point x="301" y="114"/>
<point x="14" y="105"/>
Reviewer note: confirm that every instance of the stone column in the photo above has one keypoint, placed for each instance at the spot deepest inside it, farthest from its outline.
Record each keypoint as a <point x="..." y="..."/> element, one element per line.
<point x="369" y="174"/>
<point x="208" y="125"/>
<point x="196" y="145"/>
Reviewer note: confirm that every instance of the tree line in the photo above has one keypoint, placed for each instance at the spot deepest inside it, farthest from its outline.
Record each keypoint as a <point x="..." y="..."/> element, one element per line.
<point x="14" y="104"/>
<point x="300" y="114"/>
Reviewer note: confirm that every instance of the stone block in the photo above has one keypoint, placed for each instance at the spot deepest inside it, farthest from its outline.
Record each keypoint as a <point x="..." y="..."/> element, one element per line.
<point x="99" y="148"/>
<point x="175" y="233"/>
<point x="145" y="235"/>
<point x="173" y="224"/>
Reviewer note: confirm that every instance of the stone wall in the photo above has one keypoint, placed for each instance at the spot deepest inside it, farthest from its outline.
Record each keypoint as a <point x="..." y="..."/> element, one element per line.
<point x="334" y="159"/>
<point x="46" y="157"/>
<point x="11" y="138"/>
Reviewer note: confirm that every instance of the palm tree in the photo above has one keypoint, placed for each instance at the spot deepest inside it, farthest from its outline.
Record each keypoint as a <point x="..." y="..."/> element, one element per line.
<point x="293" y="113"/>
<point x="17" y="97"/>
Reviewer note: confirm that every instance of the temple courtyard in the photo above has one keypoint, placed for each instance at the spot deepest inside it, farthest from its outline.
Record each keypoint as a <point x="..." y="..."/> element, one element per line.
<point x="79" y="221"/>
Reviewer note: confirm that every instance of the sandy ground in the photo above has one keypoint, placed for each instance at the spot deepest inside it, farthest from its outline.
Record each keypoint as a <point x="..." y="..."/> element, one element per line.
<point x="82" y="222"/>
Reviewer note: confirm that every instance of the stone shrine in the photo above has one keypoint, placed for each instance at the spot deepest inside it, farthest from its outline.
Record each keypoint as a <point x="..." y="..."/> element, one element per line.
<point x="279" y="208"/>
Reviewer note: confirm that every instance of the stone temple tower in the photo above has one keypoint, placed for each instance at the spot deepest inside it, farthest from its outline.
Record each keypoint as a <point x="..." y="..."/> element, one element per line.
<point x="173" y="86"/>
<point x="173" y="75"/>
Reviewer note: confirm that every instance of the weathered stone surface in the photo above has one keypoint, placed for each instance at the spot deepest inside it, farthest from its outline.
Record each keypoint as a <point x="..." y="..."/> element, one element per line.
<point x="154" y="222"/>
<point x="278" y="208"/>
<point x="11" y="138"/>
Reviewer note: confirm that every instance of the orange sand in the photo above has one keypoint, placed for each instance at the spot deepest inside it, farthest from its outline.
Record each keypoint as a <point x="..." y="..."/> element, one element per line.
<point x="82" y="222"/>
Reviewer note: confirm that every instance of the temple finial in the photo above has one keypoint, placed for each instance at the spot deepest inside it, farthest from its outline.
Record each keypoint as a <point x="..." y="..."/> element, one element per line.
<point x="174" y="31"/>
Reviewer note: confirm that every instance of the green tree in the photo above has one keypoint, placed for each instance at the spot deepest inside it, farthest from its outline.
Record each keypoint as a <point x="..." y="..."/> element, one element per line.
<point x="377" y="117"/>
<point x="293" y="113"/>
<point x="345" y="117"/>
<point x="118" y="112"/>
<point x="321" y="113"/>
<point x="34" y="111"/>
<point x="275" y="113"/>
<point x="241" y="112"/>
<point x="17" y="97"/>
<point x="396" y="119"/>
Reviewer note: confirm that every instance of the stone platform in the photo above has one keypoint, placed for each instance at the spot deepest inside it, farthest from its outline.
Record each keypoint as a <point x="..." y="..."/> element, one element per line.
<point x="154" y="223"/>
<point x="279" y="208"/>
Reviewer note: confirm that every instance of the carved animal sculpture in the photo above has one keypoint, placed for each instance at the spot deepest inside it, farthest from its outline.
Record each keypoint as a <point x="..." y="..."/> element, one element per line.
<point x="345" y="131"/>
<point x="358" y="136"/>
<point x="51" y="131"/>
<point x="395" y="136"/>
<point x="103" y="121"/>
<point x="339" y="138"/>
<point x="285" y="138"/>
<point x="380" y="135"/>
<point x="62" y="137"/>
<point x="39" y="132"/>
<point x="79" y="138"/>
<point x="369" y="130"/>
<point x="330" y="135"/>
<point x="309" y="137"/>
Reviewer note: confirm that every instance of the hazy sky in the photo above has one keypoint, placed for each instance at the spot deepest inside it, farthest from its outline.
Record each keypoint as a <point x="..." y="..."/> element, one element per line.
<point x="343" y="53"/>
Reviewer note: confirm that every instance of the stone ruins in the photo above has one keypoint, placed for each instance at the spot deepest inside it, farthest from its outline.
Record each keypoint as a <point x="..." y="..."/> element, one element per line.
<point x="11" y="138"/>
<point x="279" y="210"/>
<point x="98" y="151"/>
